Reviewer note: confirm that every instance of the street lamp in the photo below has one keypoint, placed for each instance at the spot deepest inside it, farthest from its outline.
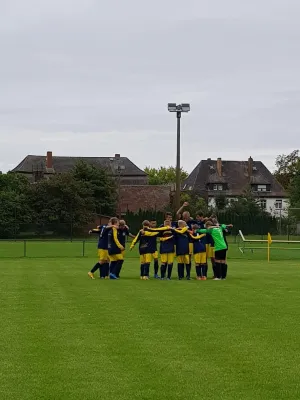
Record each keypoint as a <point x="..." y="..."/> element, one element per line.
<point x="178" y="108"/>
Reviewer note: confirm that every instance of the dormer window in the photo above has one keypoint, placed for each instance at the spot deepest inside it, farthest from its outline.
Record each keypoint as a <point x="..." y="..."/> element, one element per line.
<point x="217" y="186"/>
<point x="261" y="188"/>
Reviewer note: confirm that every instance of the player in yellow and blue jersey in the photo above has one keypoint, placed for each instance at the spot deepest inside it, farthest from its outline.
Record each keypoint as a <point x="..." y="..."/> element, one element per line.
<point x="167" y="251"/>
<point x="115" y="249"/>
<point x="103" y="258"/>
<point x="123" y="233"/>
<point x="199" y="251"/>
<point x="146" y="248"/>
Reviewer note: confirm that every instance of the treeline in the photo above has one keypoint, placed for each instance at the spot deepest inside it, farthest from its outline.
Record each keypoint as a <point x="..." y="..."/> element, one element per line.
<point x="65" y="200"/>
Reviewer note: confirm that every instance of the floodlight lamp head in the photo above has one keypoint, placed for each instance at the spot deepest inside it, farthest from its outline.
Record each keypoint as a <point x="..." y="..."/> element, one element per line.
<point x="172" y="107"/>
<point x="185" y="107"/>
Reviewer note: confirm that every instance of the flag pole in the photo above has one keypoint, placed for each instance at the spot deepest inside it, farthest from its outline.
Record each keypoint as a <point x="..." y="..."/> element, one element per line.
<point x="269" y="244"/>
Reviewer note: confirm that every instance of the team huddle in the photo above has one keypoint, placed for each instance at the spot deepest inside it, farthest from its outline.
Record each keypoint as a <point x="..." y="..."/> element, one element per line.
<point x="186" y="239"/>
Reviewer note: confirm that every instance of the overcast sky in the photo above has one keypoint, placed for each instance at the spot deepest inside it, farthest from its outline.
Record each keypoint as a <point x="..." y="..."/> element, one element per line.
<point x="93" y="78"/>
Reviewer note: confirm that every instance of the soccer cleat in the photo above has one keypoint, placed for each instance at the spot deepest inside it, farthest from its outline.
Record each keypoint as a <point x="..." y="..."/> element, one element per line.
<point x="156" y="276"/>
<point x="216" y="279"/>
<point x="112" y="276"/>
<point x="188" y="278"/>
<point x="107" y="277"/>
<point x="204" y="278"/>
<point x="102" y="277"/>
<point x="141" y="277"/>
<point x="91" y="275"/>
<point x="198" y="278"/>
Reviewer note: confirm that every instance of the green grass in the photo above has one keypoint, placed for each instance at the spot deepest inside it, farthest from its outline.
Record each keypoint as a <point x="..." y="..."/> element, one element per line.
<point x="88" y="249"/>
<point x="64" y="336"/>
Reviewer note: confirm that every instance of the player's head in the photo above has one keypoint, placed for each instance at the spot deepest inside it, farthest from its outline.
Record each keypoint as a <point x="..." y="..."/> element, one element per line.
<point x="168" y="216"/>
<point x="114" y="222"/>
<point x="181" y="223"/>
<point x="146" y="224"/>
<point x="186" y="215"/>
<point x="195" y="227"/>
<point x="153" y="223"/>
<point x="200" y="216"/>
<point x="208" y="223"/>
<point x="167" y="222"/>
<point x="122" y="224"/>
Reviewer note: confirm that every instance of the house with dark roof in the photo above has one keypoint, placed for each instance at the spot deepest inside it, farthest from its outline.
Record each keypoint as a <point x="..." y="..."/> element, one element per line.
<point x="39" y="167"/>
<point x="212" y="178"/>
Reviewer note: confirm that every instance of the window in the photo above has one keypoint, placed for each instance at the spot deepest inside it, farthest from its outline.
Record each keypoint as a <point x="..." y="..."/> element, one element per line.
<point x="263" y="204"/>
<point x="278" y="204"/>
<point x="261" y="188"/>
<point x="217" y="187"/>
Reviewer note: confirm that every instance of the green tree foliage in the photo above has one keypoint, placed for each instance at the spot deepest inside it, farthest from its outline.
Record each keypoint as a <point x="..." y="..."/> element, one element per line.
<point x="103" y="187"/>
<point x="163" y="175"/>
<point x="15" y="208"/>
<point x="195" y="203"/>
<point x="221" y="202"/>
<point x="61" y="202"/>
<point x="287" y="166"/>
<point x="245" y="205"/>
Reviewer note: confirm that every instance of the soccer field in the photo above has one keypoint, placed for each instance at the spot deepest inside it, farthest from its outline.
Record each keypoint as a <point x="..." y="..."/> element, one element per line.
<point x="64" y="336"/>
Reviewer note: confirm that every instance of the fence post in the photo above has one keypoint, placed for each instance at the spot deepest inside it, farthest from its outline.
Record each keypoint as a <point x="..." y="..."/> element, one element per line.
<point x="83" y="248"/>
<point x="25" y="248"/>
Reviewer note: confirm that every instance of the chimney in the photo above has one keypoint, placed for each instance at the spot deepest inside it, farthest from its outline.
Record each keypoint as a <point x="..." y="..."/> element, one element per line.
<point x="219" y="166"/>
<point x="49" y="163"/>
<point x="117" y="156"/>
<point x="250" y="166"/>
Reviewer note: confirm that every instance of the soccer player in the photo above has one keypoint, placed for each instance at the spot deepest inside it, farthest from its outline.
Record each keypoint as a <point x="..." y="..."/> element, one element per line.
<point x="225" y="267"/>
<point x="199" y="251"/>
<point x="220" y="246"/>
<point x="186" y="216"/>
<point x="182" y="240"/>
<point x="115" y="249"/>
<point x="103" y="263"/>
<point x="146" y="248"/>
<point x="167" y="251"/>
<point x="123" y="232"/>
<point x="153" y="225"/>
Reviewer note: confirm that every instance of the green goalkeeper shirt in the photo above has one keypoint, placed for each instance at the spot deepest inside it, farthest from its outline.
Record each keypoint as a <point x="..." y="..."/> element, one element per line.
<point x="217" y="235"/>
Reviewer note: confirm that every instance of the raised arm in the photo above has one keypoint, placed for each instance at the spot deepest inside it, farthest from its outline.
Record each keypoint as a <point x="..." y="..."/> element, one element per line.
<point x="179" y="212"/>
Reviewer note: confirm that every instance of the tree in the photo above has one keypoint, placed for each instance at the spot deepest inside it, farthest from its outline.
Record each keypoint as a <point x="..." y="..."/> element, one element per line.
<point x="15" y="207"/>
<point x="196" y="203"/>
<point x="164" y="175"/>
<point x="221" y="202"/>
<point x="287" y="166"/>
<point x="102" y="186"/>
<point x="246" y="205"/>
<point x="63" y="202"/>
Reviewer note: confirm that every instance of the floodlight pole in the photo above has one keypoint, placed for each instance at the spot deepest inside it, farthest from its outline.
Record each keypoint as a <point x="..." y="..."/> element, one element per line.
<point x="178" y="108"/>
<point x="178" y="169"/>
